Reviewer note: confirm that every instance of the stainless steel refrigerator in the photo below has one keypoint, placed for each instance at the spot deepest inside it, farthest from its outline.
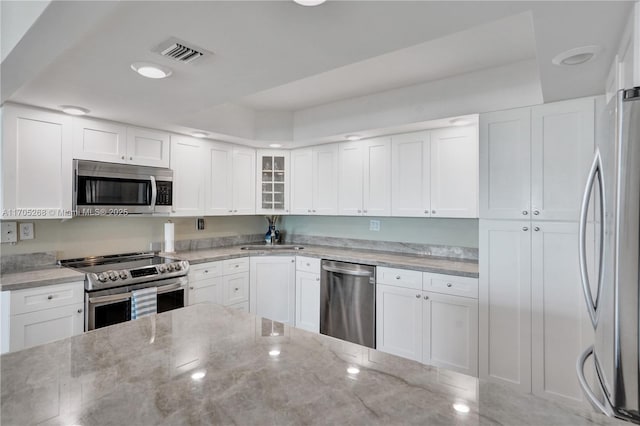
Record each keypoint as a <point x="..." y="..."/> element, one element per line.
<point x="612" y="291"/>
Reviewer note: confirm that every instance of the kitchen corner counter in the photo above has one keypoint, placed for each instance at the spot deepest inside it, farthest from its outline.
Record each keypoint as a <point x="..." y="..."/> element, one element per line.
<point x="459" y="267"/>
<point x="38" y="278"/>
<point x="207" y="364"/>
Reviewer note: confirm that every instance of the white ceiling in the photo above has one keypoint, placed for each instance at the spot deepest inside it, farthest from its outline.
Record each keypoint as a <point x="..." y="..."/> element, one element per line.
<point x="276" y="55"/>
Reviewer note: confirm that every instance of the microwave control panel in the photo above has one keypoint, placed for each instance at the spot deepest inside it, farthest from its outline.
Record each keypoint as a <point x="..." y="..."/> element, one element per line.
<point x="165" y="193"/>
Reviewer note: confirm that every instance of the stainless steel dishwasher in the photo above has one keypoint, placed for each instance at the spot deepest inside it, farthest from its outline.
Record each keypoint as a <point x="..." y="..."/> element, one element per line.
<point x="348" y="302"/>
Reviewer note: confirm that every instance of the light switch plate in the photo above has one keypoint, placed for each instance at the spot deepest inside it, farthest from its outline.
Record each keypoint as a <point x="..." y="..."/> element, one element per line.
<point x="26" y="231"/>
<point x="9" y="232"/>
<point x="374" y="225"/>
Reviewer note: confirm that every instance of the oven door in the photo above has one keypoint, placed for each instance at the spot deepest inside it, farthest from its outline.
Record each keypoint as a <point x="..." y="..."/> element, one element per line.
<point x="113" y="306"/>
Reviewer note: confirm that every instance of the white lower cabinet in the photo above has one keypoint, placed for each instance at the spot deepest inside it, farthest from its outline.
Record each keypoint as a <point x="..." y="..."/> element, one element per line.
<point x="434" y="328"/>
<point x="308" y="293"/>
<point x="224" y="282"/>
<point x="272" y="288"/>
<point x="41" y="315"/>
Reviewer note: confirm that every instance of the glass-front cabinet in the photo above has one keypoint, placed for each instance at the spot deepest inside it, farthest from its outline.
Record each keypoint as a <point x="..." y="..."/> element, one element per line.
<point x="273" y="182"/>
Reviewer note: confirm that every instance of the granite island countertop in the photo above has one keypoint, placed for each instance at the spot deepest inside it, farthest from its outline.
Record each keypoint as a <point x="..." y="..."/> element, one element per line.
<point x="206" y="364"/>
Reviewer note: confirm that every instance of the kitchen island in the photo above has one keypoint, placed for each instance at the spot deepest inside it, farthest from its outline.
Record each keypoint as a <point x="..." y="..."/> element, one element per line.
<point x="206" y="364"/>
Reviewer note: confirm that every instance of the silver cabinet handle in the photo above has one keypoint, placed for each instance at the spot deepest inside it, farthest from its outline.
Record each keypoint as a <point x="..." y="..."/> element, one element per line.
<point x="347" y="271"/>
<point x="537" y="228"/>
<point x="426" y="298"/>
<point x="449" y="285"/>
<point x="418" y="296"/>
<point x="50" y="296"/>
<point x="525" y="228"/>
<point x="536" y="212"/>
<point x="524" y="212"/>
<point x="123" y="157"/>
<point x="79" y="311"/>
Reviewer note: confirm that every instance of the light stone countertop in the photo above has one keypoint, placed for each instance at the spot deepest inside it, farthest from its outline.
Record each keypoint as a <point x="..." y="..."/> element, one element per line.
<point x="466" y="268"/>
<point x="38" y="278"/>
<point x="142" y="372"/>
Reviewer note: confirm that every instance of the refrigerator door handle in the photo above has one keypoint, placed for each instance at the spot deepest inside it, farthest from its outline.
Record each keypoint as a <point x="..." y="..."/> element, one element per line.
<point x="594" y="173"/>
<point x="593" y="400"/>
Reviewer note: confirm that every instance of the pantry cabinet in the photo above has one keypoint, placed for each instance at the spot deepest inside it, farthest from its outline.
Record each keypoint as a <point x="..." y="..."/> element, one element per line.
<point x="364" y="175"/>
<point x="188" y="178"/>
<point x="314" y="180"/>
<point x="37" y="175"/>
<point x="272" y="288"/>
<point x="272" y="195"/>
<point x="229" y="180"/>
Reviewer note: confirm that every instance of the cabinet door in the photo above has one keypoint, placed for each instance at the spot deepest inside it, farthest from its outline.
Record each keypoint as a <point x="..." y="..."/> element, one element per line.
<point x="37" y="174"/>
<point x="410" y="180"/>
<point x="454" y="172"/>
<point x="209" y="290"/>
<point x="505" y="303"/>
<point x="562" y="149"/>
<point x="325" y="179"/>
<point x="350" y="174"/>
<point x="273" y="182"/>
<point x="505" y="164"/>
<point x="186" y="158"/>
<point x="218" y="179"/>
<point x="450" y="332"/>
<point x="235" y="288"/>
<point x="272" y="290"/>
<point x="399" y="321"/>
<point x="146" y="147"/>
<point x="377" y="177"/>
<point x="301" y="181"/>
<point x="244" y="181"/>
<point x="561" y="327"/>
<point x="308" y="301"/>
<point x="98" y="140"/>
<point x="40" y="327"/>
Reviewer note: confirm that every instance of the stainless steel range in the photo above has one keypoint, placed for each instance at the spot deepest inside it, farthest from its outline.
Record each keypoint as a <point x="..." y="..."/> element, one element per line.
<point x="109" y="281"/>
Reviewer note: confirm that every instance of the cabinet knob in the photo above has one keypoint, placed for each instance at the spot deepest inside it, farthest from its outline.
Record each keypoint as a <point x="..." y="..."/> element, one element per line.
<point x="397" y="277"/>
<point x="308" y="264"/>
<point x="364" y="211"/>
<point x="536" y="212"/>
<point x="206" y="271"/>
<point x="433" y="212"/>
<point x="230" y="211"/>
<point x="190" y="287"/>
<point x="235" y="211"/>
<point x="293" y="261"/>
<point x="426" y="212"/>
<point x="130" y="158"/>
<point x="123" y="157"/>
<point x="309" y="211"/>
<point x="317" y="279"/>
<point x="314" y="211"/>
<point x="236" y="289"/>
<point x="524" y="212"/>
<point x="79" y="311"/>
<point x="537" y="228"/>
<point x="426" y="298"/>
<point x="449" y="285"/>
<point x="525" y="228"/>
<point x="418" y="296"/>
<point x="237" y="266"/>
<point x="50" y="297"/>
<point x="359" y="211"/>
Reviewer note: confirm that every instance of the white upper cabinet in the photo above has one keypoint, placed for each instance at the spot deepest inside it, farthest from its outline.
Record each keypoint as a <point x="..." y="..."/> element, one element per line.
<point x="272" y="195"/>
<point x="562" y="145"/>
<point x="454" y="172"/>
<point x="410" y="175"/>
<point x="505" y="164"/>
<point x="365" y="178"/>
<point x="229" y="180"/>
<point x="314" y="180"/>
<point x="37" y="178"/>
<point x="100" y="140"/>
<point x="188" y="177"/>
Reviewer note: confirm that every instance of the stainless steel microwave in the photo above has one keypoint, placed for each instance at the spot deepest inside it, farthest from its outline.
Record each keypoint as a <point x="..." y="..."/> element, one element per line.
<point x="120" y="189"/>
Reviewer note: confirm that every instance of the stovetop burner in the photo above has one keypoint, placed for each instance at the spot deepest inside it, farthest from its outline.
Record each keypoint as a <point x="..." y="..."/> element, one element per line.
<point x="125" y="269"/>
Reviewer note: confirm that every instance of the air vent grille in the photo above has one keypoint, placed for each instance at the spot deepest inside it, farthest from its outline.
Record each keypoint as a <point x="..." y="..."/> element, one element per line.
<point x="181" y="53"/>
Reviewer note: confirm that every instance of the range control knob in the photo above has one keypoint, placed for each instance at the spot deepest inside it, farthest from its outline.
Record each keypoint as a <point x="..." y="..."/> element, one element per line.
<point x="178" y="266"/>
<point x="170" y="267"/>
<point x="123" y="275"/>
<point x="103" y="277"/>
<point x="162" y="268"/>
<point x="112" y="275"/>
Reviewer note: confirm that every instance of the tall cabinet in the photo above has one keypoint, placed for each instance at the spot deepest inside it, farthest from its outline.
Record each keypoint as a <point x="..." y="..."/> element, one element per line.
<point x="533" y="166"/>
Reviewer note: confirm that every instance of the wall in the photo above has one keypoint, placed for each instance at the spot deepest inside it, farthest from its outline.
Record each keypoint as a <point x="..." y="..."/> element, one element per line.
<point x="451" y="232"/>
<point x="17" y="18"/>
<point x="88" y="236"/>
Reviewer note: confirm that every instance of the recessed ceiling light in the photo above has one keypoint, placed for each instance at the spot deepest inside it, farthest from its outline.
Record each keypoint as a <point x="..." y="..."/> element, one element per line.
<point x="459" y="122"/>
<point x="353" y="370"/>
<point x="274" y="353"/>
<point x="309" y="2"/>
<point x="275" y="145"/>
<point x="461" y="408"/>
<point x="576" y="56"/>
<point x="198" y="375"/>
<point x="353" y="137"/>
<point x="199" y="134"/>
<point x="150" y="70"/>
<point x="74" y="110"/>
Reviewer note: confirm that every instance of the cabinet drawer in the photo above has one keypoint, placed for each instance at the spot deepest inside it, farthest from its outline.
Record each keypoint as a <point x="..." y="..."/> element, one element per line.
<point x="235" y="289"/>
<point x="205" y="270"/>
<point x="47" y="297"/>
<point x="233" y="266"/>
<point x="205" y="282"/>
<point x="399" y="277"/>
<point x="449" y="284"/>
<point x="308" y="264"/>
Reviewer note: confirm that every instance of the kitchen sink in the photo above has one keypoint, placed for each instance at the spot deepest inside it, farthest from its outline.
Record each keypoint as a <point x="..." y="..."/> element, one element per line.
<point x="271" y="247"/>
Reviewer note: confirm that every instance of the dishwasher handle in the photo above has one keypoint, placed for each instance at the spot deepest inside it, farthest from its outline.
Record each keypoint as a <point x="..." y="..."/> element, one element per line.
<point x="347" y="271"/>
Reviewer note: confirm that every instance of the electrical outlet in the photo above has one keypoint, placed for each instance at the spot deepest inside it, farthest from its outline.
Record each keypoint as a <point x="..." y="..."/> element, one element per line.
<point x="9" y="232"/>
<point x="200" y="224"/>
<point x="26" y="231"/>
<point x="374" y="225"/>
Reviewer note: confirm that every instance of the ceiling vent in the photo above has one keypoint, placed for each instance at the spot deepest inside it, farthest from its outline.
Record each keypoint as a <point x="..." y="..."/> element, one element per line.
<point x="180" y="51"/>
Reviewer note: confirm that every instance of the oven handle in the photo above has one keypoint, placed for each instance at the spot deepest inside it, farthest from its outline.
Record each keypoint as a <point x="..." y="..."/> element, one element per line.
<point x="154" y="193"/>
<point x="124" y="296"/>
